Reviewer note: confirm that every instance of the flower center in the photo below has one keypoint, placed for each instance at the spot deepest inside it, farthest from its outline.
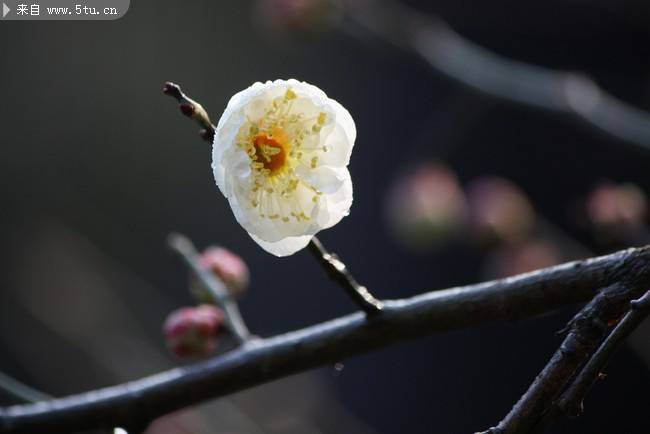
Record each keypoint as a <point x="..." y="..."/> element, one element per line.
<point x="270" y="151"/>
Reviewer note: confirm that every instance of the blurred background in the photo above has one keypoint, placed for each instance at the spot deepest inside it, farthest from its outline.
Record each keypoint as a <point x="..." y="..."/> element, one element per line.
<point x="97" y="167"/>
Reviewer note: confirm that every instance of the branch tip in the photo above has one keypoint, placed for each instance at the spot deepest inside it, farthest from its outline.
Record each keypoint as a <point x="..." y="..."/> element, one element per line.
<point x="173" y="90"/>
<point x="192" y="110"/>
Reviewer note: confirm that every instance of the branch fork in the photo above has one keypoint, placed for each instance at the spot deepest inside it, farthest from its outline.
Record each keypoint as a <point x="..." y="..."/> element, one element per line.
<point x="564" y="382"/>
<point x="220" y="294"/>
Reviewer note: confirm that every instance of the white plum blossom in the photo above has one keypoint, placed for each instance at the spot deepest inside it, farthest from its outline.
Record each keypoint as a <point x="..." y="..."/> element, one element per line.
<point x="280" y="157"/>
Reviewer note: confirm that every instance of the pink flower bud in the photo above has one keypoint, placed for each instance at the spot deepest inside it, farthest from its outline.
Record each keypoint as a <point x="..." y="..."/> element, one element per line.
<point x="617" y="207"/>
<point x="499" y="210"/>
<point x="426" y="206"/>
<point x="192" y="331"/>
<point x="229" y="267"/>
<point x="282" y="17"/>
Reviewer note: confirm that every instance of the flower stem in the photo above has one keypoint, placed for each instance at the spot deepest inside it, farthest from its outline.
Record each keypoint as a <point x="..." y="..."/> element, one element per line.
<point x="220" y="295"/>
<point x="338" y="272"/>
<point x="20" y="391"/>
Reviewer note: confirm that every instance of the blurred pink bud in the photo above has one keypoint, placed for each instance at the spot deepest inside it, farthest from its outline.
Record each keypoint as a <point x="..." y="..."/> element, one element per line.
<point x="293" y="16"/>
<point x="611" y="206"/>
<point x="229" y="267"/>
<point x="520" y="258"/>
<point x="499" y="210"/>
<point x="426" y="206"/>
<point x="192" y="331"/>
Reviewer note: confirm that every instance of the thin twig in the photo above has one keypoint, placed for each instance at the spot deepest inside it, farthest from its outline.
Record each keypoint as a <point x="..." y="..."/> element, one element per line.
<point x="21" y="391"/>
<point x="571" y="401"/>
<point x="338" y="272"/>
<point x="192" y="110"/>
<point x="564" y="93"/>
<point x="263" y="360"/>
<point x="184" y="247"/>
<point x="586" y="331"/>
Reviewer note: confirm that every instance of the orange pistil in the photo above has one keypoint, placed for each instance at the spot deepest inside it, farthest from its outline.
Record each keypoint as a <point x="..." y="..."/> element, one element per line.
<point x="271" y="151"/>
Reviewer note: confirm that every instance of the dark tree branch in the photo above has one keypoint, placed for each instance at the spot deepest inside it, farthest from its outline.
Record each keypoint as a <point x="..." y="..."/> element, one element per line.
<point x="184" y="247"/>
<point x="564" y="93"/>
<point x="339" y="273"/>
<point x="24" y="393"/>
<point x="571" y="401"/>
<point x="262" y="360"/>
<point x="192" y="110"/>
<point x="586" y="331"/>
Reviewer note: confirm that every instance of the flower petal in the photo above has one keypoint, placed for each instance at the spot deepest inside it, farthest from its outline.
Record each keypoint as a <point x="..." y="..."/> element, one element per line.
<point x="324" y="179"/>
<point x="339" y="203"/>
<point x="285" y="247"/>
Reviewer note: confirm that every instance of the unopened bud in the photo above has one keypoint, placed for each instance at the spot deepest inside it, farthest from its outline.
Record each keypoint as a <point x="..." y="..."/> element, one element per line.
<point x="172" y="90"/>
<point x="426" y="206"/>
<point x="499" y="210"/>
<point x="284" y="17"/>
<point x="229" y="267"/>
<point x="613" y="207"/>
<point x="191" y="332"/>
<point x="187" y="110"/>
